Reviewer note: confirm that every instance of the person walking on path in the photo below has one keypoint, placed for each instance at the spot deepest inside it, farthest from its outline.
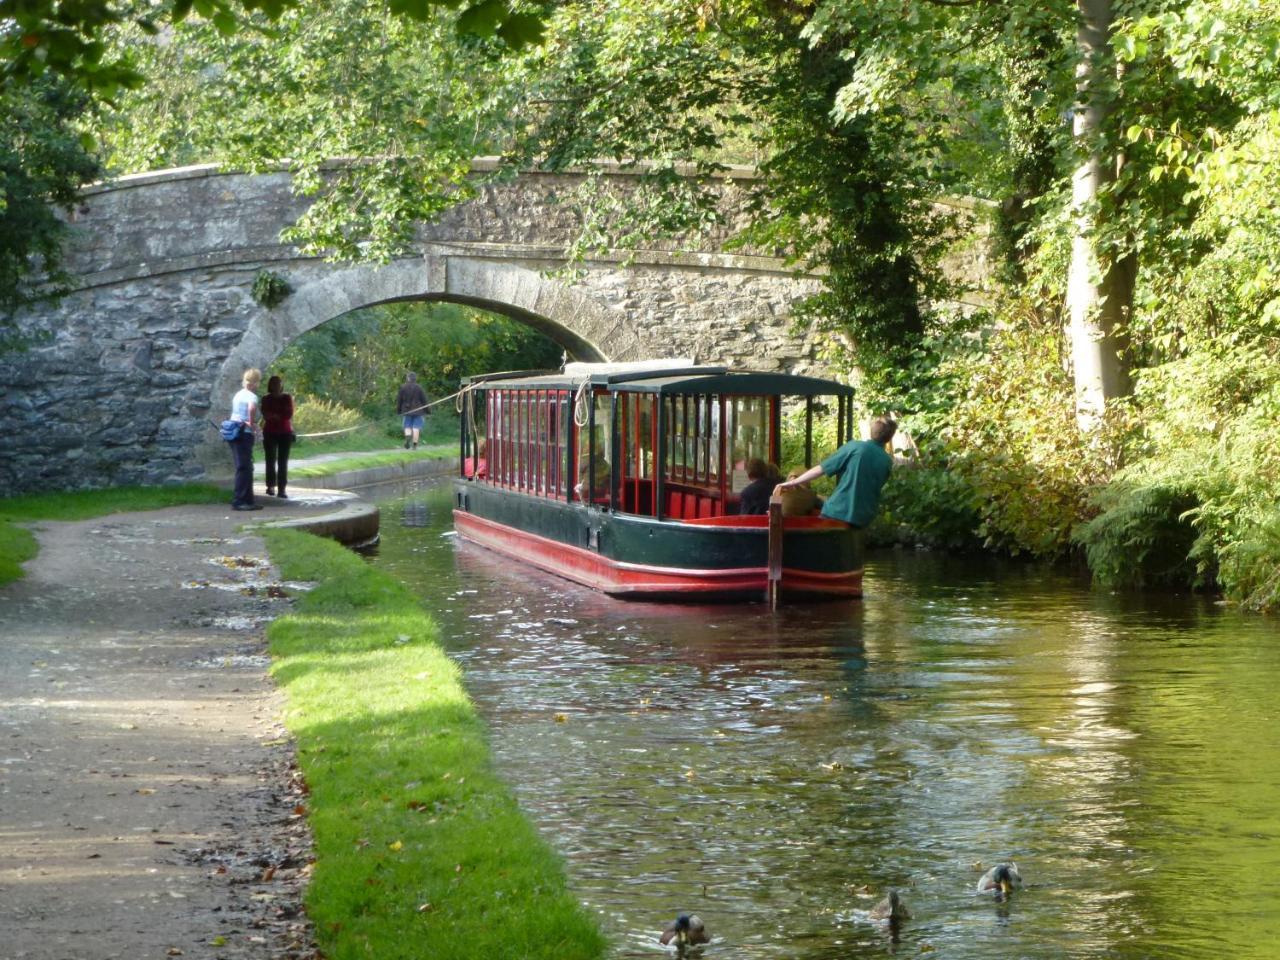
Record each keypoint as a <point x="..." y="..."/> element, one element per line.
<point x="411" y="404"/>
<point x="277" y="436"/>
<point x="244" y="409"/>
<point x="863" y="467"/>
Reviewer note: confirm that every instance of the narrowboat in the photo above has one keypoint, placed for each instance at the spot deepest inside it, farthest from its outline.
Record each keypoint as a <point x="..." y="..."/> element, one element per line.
<point x="625" y="478"/>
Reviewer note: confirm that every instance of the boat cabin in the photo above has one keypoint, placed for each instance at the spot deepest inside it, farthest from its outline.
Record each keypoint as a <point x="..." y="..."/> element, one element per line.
<point x="670" y="444"/>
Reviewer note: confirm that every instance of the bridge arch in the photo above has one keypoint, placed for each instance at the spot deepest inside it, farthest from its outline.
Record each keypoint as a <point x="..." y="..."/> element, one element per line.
<point x="125" y="377"/>
<point x="573" y="321"/>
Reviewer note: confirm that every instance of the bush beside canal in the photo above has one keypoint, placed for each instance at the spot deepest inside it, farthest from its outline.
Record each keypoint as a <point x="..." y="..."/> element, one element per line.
<point x="18" y="545"/>
<point x="421" y="850"/>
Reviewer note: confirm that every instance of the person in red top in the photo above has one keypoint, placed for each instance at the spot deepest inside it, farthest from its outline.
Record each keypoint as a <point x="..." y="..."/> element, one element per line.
<point x="277" y="436"/>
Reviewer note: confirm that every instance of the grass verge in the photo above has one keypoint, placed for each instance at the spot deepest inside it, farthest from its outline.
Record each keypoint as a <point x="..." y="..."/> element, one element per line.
<point x="421" y="850"/>
<point x="359" y="461"/>
<point x="18" y="545"/>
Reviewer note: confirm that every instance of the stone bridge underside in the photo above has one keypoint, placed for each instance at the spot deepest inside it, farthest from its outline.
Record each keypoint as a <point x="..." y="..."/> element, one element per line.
<point x="124" y="378"/>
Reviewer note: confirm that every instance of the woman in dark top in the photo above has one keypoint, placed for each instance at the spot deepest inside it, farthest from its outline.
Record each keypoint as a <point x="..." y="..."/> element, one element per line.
<point x="277" y="435"/>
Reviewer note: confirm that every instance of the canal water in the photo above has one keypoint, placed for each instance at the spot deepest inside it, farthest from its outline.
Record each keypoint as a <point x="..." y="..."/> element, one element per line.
<point x="776" y="773"/>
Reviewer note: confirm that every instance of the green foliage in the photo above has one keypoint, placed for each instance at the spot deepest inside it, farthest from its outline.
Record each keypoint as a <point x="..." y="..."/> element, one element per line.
<point x="270" y="289"/>
<point x="392" y="85"/>
<point x="930" y="505"/>
<point x="701" y="85"/>
<point x="1142" y="537"/>
<point x="318" y="415"/>
<point x="67" y="40"/>
<point x="414" y="830"/>
<point x="43" y="164"/>
<point x="1011" y="435"/>
<point x="1195" y="504"/>
<point x="359" y="360"/>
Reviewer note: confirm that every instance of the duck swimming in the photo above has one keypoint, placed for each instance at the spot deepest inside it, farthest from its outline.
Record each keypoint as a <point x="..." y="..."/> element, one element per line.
<point x="891" y="908"/>
<point x="686" y="929"/>
<point x="1001" y="879"/>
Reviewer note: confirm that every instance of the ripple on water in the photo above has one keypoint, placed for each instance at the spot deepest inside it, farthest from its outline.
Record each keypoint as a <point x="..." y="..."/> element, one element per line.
<point x="777" y="772"/>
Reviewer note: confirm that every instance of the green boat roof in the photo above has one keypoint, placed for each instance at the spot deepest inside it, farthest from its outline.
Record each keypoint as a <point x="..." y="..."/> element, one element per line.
<point x="683" y="381"/>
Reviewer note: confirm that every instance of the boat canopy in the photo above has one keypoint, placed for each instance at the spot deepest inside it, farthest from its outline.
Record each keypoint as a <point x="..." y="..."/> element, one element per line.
<point x="698" y="380"/>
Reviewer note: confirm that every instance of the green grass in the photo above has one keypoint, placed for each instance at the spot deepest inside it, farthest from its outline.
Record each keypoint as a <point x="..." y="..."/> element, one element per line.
<point x="421" y="850"/>
<point x="18" y="545"/>
<point x="363" y="461"/>
<point x="367" y="437"/>
<point x="372" y="436"/>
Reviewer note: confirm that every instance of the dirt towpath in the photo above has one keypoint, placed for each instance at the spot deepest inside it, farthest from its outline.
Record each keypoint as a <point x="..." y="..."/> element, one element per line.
<point x="148" y="803"/>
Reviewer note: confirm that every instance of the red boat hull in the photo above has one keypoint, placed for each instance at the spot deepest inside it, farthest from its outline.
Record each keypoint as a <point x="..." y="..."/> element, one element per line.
<point x="620" y="578"/>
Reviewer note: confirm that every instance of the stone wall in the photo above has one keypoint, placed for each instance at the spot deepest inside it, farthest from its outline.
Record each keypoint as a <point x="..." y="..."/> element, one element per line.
<point x="124" y="379"/>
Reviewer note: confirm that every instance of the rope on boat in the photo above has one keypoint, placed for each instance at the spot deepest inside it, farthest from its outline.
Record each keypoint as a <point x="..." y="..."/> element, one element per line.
<point x="580" y="412"/>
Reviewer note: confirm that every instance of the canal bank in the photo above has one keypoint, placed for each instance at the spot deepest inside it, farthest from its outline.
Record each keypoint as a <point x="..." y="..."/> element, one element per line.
<point x="151" y="800"/>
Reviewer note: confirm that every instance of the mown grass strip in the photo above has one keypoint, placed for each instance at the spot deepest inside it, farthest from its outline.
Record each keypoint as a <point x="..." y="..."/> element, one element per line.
<point x="366" y="461"/>
<point x="421" y="850"/>
<point x="18" y="545"/>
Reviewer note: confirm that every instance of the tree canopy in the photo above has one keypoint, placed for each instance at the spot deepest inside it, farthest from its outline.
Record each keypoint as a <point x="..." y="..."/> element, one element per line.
<point x="1126" y="154"/>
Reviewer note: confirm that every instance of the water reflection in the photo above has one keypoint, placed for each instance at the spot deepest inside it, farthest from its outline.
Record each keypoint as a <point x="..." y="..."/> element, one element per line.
<point x="777" y="772"/>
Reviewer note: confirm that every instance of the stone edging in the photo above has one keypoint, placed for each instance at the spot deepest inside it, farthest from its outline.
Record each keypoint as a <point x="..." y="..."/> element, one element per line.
<point x="354" y="525"/>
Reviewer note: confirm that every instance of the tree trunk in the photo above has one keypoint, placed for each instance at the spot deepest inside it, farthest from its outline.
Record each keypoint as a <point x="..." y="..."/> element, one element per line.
<point x="1099" y="294"/>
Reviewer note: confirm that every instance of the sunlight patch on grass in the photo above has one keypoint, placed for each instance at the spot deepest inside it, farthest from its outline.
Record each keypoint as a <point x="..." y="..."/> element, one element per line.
<point x="421" y="849"/>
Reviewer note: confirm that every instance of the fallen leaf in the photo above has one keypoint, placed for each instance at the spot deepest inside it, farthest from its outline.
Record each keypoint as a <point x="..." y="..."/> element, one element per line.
<point x="561" y="718"/>
<point x="267" y="874"/>
<point x="173" y="952"/>
<point x="219" y="941"/>
<point x="395" y="845"/>
<point x="146" y="791"/>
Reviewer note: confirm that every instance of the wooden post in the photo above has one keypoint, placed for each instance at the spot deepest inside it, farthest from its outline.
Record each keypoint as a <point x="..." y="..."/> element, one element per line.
<point x="775" y="550"/>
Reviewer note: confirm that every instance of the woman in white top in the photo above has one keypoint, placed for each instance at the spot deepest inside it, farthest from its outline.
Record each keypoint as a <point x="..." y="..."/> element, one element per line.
<point x="244" y="408"/>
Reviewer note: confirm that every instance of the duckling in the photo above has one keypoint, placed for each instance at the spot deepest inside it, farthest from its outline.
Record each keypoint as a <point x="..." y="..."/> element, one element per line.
<point x="686" y="929"/>
<point x="891" y="908"/>
<point x="1001" y="880"/>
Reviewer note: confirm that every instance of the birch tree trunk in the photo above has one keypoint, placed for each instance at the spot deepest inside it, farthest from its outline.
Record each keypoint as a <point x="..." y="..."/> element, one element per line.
<point x="1099" y="294"/>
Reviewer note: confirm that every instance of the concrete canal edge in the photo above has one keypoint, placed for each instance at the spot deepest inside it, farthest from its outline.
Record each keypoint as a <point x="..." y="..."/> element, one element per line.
<point x="355" y="523"/>
<point x="391" y="473"/>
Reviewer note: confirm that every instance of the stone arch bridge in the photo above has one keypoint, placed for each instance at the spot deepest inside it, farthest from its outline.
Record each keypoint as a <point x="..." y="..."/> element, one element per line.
<point x="124" y="377"/>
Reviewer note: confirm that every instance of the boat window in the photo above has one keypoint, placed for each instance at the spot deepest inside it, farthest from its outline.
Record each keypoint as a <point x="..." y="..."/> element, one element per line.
<point x="525" y="441"/>
<point x="749" y="434"/>
<point x="637" y="435"/>
<point x="603" y="450"/>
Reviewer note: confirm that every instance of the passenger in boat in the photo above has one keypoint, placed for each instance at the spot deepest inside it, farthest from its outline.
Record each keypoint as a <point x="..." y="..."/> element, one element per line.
<point x="800" y="500"/>
<point x="477" y="467"/>
<point x="863" y="467"/>
<point x="754" y="497"/>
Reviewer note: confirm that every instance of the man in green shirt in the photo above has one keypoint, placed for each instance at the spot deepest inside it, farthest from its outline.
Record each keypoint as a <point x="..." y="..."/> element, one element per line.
<point x="862" y="466"/>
